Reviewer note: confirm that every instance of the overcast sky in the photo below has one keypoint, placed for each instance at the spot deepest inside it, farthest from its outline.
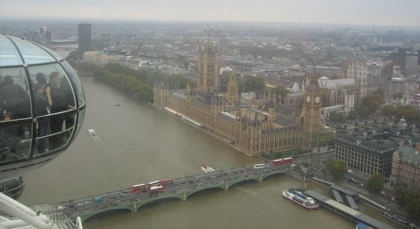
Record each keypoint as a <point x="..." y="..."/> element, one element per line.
<point x="367" y="12"/>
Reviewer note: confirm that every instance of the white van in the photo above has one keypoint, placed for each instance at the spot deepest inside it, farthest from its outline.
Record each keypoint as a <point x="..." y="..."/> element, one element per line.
<point x="259" y="166"/>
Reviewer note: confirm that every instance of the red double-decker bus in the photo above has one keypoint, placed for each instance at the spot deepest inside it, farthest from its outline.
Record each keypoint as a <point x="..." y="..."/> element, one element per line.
<point x="282" y="161"/>
<point x="138" y="188"/>
<point x="156" y="189"/>
<point x="166" y="182"/>
<point x="153" y="183"/>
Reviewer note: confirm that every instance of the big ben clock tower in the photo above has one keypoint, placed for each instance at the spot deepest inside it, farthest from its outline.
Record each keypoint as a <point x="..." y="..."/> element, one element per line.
<point x="311" y="115"/>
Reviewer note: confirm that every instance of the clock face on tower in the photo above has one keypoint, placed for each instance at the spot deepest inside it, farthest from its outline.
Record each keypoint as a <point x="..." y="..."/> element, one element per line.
<point x="317" y="99"/>
<point x="308" y="98"/>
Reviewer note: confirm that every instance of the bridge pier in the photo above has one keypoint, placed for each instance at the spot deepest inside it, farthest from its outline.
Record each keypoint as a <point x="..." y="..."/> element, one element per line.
<point x="135" y="207"/>
<point x="226" y="186"/>
<point x="260" y="179"/>
<point x="184" y="196"/>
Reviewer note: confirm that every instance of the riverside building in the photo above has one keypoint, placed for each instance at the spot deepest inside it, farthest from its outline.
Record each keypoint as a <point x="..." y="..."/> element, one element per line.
<point x="260" y="128"/>
<point x="406" y="166"/>
<point x="370" y="150"/>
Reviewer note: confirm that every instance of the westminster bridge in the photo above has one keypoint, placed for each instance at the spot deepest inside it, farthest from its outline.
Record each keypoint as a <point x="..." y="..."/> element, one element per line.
<point x="181" y="188"/>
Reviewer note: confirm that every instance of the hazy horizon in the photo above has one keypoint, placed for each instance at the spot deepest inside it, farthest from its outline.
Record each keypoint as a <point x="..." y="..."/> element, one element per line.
<point x="331" y="12"/>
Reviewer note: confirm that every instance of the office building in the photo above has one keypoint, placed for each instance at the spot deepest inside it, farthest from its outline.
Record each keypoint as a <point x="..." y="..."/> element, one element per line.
<point x="396" y="86"/>
<point x="406" y="166"/>
<point x="411" y="64"/>
<point x="85" y="40"/>
<point x="370" y="150"/>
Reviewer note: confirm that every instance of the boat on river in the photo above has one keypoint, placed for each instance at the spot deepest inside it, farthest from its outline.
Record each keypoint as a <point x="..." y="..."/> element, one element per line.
<point x="91" y="132"/>
<point x="206" y="169"/>
<point x="299" y="198"/>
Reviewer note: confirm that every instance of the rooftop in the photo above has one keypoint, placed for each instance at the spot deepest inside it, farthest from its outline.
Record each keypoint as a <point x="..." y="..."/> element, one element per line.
<point x="380" y="138"/>
<point x="409" y="155"/>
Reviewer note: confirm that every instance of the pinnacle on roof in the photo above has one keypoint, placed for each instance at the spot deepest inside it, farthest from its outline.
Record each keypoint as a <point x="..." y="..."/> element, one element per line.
<point x="313" y="83"/>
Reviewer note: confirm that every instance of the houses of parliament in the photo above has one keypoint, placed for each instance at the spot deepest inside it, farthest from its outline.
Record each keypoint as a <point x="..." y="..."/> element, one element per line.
<point x="261" y="128"/>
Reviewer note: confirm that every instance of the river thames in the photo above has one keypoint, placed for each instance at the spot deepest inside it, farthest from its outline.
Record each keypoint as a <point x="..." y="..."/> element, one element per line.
<point x="137" y="143"/>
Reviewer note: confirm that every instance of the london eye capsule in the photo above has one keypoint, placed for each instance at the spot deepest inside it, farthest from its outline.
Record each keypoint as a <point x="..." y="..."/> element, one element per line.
<point x="42" y="106"/>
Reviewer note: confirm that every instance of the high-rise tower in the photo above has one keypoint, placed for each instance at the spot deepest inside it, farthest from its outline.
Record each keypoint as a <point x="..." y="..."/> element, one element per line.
<point x="411" y="66"/>
<point x="84" y="38"/>
<point x="311" y="115"/>
<point x="208" y="69"/>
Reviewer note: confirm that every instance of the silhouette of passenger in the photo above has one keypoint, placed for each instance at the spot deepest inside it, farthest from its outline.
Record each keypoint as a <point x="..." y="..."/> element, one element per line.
<point x="15" y="98"/>
<point x="62" y="100"/>
<point x="10" y="137"/>
<point x="40" y="78"/>
<point x="57" y="97"/>
<point x="42" y="104"/>
<point x="53" y="75"/>
<point x="69" y="104"/>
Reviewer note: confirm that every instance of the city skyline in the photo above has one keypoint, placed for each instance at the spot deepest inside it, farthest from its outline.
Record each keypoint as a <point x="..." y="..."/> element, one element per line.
<point x="356" y="12"/>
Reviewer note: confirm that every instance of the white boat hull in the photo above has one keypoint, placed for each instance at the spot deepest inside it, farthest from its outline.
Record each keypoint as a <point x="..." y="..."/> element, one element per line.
<point x="308" y="204"/>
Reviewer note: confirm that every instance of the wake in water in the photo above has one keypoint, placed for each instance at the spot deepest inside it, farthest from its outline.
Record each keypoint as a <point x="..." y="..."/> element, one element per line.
<point x="97" y="138"/>
<point x="93" y="134"/>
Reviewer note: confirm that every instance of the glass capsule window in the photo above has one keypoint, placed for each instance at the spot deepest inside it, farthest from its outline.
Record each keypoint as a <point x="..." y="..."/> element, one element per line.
<point x="42" y="104"/>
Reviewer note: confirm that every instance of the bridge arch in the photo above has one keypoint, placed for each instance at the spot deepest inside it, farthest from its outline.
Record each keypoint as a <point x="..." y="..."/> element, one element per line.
<point x="272" y="175"/>
<point x="235" y="182"/>
<point x="106" y="210"/>
<point x="149" y="201"/>
<point x="200" y="189"/>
